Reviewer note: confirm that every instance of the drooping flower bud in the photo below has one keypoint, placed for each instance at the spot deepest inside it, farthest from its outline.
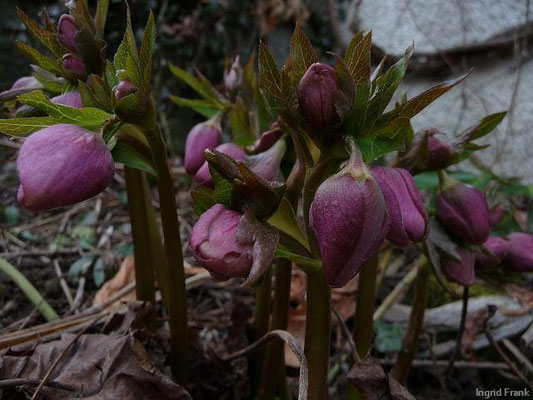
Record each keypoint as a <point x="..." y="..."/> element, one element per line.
<point x="349" y="219"/>
<point x="233" y="78"/>
<point x="214" y="244"/>
<point x="439" y="152"/>
<point x="267" y="164"/>
<point x="408" y="216"/>
<point x="205" y="135"/>
<point x="68" y="29"/>
<point x="498" y="247"/>
<point x="496" y="213"/>
<point x="61" y="165"/>
<point x="316" y="96"/>
<point x="462" y="273"/>
<point x="267" y="139"/>
<point x="26" y="82"/>
<point x="74" y="67"/>
<point x="123" y="89"/>
<point x="463" y="210"/>
<point x="70" y="99"/>
<point x="520" y="256"/>
<point x="203" y="176"/>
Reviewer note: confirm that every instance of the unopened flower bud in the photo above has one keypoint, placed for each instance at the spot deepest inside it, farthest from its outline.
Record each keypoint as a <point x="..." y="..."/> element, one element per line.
<point x="123" y="89"/>
<point x="408" y="216"/>
<point x="496" y="213"/>
<point x="214" y="244"/>
<point x="61" y="165"/>
<point x="267" y="139"/>
<point x="203" y="176"/>
<point x="267" y="164"/>
<point x="462" y="272"/>
<point x="68" y="29"/>
<point x="464" y="212"/>
<point x="74" y="67"/>
<point x="316" y="96"/>
<point x="439" y="152"/>
<point x="233" y="78"/>
<point x="349" y="219"/>
<point x="520" y="256"/>
<point x="70" y="99"/>
<point x="497" y="247"/>
<point x="203" y="136"/>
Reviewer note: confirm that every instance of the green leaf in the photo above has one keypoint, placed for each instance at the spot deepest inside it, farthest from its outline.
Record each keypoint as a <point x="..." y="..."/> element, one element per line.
<point x="485" y="126"/>
<point x="100" y="17"/>
<point x="203" y="107"/>
<point x="41" y="60"/>
<point x="147" y="48"/>
<point x="90" y="118"/>
<point x="285" y="221"/>
<point x="374" y="147"/>
<point x="388" y="336"/>
<point x="357" y="57"/>
<point x="99" y="272"/>
<point x="418" y="103"/>
<point x="269" y="76"/>
<point x="240" y="124"/>
<point x="201" y="86"/>
<point x="203" y="199"/>
<point x="303" y="262"/>
<point x="129" y="156"/>
<point x="102" y="92"/>
<point x="302" y="54"/>
<point x="47" y="38"/>
<point x="79" y="268"/>
<point x="19" y="127"/>
<point x="50" y="82"/>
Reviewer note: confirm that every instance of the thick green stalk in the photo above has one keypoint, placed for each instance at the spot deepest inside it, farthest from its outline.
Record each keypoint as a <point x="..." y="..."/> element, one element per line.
<point x="275" y="360"/>
<point x="28" y="289"/>
<point x="263" y="300"/>
<point x="177" y="310"/>
<point x="364" y="312"/>
<point x="138" y="204"/>
<point x="416" y="320"/>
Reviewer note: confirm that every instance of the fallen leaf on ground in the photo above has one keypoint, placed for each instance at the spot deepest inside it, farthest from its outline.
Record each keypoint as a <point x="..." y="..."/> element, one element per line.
<point x="96" y="367"/>
<point x="124" y="276"/>
<point x="473" y="326"/>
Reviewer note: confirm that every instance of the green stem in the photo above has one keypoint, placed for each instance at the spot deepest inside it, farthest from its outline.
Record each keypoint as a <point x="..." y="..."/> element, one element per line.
<point x="364" y="313"/>
<point x="263" y="300"/>
<point x="273" y="370"/>
<point x="138" y="205"/>
<point x="28" y="289"/>
<point x="414" y="328"/>
<point x="177" y="309"/>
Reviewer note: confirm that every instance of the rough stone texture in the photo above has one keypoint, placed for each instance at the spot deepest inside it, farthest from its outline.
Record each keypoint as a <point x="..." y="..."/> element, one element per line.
<point x="436" y="26"/>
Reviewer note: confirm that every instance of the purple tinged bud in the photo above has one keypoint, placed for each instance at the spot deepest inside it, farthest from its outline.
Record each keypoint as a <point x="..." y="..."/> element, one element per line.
<point x="267" y="164"/>
<point x="123" y="89"/>
<point x="233" y="78"/>
<point x="520" y="256"/>
<point x="496" y="213"/>
<point x="464" y="212"/>
<point x="439" y="153"/>
<point x="68" y="29"/>
<point x="316" y="96"/>
<point x="205" y="135"/>
<point x="62" y="165"/>
<point x="203" y="176"/>
<point x="462" y="273"/>
<point x="214" y="244"/>
<point x="74" y="66"/>
<point x="349" y="219"/>
<point x="26" y="82"/>
<point x="408" y="216"/>
<point x="267" y="139"/>
<point x="498" y="247"/>
<point x="70" y="99"/>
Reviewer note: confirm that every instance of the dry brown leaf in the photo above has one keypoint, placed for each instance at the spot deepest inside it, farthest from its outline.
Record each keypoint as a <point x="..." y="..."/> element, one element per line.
<point x="473" y="326"/>
<point x="524" y="295"/>
<point x="124" y="276"/>
<point x="97" y="367"/>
